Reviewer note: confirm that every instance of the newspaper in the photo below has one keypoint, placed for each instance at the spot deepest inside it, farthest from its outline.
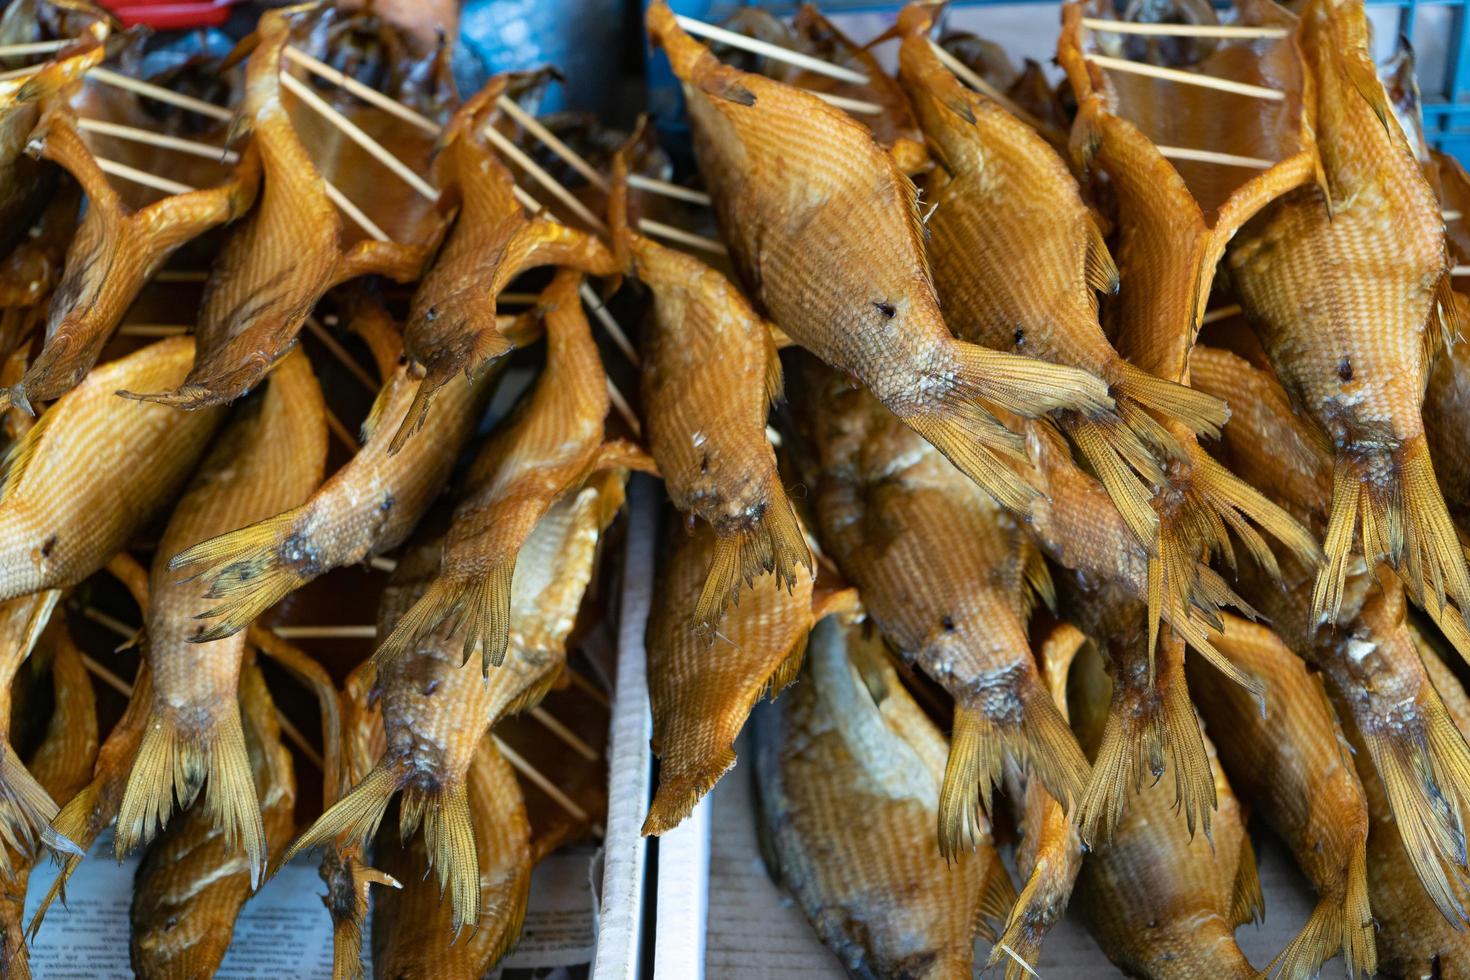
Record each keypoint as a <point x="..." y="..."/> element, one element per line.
<point x="284" y="931"/>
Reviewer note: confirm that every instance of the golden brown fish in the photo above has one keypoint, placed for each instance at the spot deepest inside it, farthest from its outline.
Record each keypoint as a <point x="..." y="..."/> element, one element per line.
<point x="1447" y="418"/>
<point x="1049" y="854"/>
<point x="283" y="257"/>
<point x="94" y="470"/>
<point x="368" y="507"/>
<point x="451" y="323"/>
<point x="552" y="443"/>
<point x="193" y="879"/>
<point x="1347" y="284"/>
<point x="413" y="929"/>
<point x="270" y="456"/>
<point x="62" y="764"/>
<point x="710" y="372"/>
<point x="115" y="252"/>
<point x="1291" y="765"/>
<point x="849" y="769"/>
<point x="825" y="232"/>
<point x="1164" y="903"/>
<point x="702" y="694"/>
<point x="1018" y="259"/>
<point x="1175" y="218"/>
<point x="25" y="806"/>
<point x="436" y="708"/>
<point x="949" y="578"/>
<point x="1368" y="658"/>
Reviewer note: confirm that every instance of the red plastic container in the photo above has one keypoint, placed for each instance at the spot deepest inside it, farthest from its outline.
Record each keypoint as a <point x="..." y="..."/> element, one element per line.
<point x="170" y="15"/>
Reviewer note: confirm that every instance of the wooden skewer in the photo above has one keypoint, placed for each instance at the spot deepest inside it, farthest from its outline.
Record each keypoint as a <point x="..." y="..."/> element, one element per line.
<point x="1210" y="156"/>
<point x="587" y="687"/>
<point x="340" y="353"/>
<point x="1182" y="30"/>
<point x="515" y="153"/>
<point x="6" y="76"/>
<point x="1451" y="215"/>
<point x="1186" y="77"/>
<point x="977" y="82"/>
<point x="533" y="126"/>
<point x="517" y="299"/>
<point x="383" y="564"/>
<point x="623" y="408"/>
<point x="32" y="47"/>
<point x="354" y="212"/>
<point x="700" y="29"/>
<point x="327" y="632"/>
<point x="365" y="92"/>
<point x="181" y="275"/>
<point x="614" y="330"/>
<point x="161" y="94"/>
<point x="115" y="625"/>
<point x="151" y="330"/>
<point x="107" y="677"/>
<point x="656" y="186"/>
<point x="353" y="132"/>
<point x="1460" y="270"/>
<point x="549" y="722"/>
<point x="848" y="105"/>
<point x="135" y="135"/>
<point x="141" y="177"/>
<point x="673" y="234"/>
<point x="289" y="729"/>
<point x="1219" y="313"/>
<point x="534" y="776"/>
<point x="341" y="431"/>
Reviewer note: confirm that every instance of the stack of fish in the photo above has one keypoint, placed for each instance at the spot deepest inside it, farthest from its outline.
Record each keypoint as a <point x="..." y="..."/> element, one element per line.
<point x="1061" y="571"/>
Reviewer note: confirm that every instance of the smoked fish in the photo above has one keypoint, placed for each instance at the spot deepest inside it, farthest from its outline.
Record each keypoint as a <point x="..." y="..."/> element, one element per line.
<point x="710" y="373"/>
<point x="271" y="455"/>
<point x="1347" y="284"/>
<point x="950" y="579"/>
<point x="94" y="470"/>
<point x="1018" y="261"/>
<point x="437" y="708"/>
<point x="25" y="806"/>
<point x="366" y="508"/>
<point x="826" y="235"/>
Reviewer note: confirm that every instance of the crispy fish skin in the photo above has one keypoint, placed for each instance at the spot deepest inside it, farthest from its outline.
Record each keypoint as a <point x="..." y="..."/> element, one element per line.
<point x="193" y="880"/>
<point x="1347" y="285"/>
<point x="282" y="258"/>
<point x="113" y="255"/>
<point x="710" y="372"/>
<point x="62" y="764"/>
<point x="271" y="455"/>
<point x="93" y="470"/>
<point x="549" y="446"/>
<point x="1368" y="658"/>
<point x="1291" y="766"/>
<point x="825" y="232"/>
<point x="950" y="579"/>
<point x="451" y="322"/>
<point x="1174" y="224"/>
<point x="436" y="707"/>
<point x="413" y="930"/>
<point x="702" y="694"/>
<point x="1165" y="903"/>
<point x="849" y="768"/>
<point x="1018" y="259"/>
<point x="367" y="507"/>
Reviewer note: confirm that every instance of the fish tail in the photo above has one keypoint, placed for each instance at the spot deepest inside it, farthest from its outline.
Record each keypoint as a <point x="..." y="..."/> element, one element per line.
<point x="1435" y="557"/>
<point x="773" y="543"/>
<point x="1040" y="905"/>
<point x="1237" y="502"/>
<point x="1027" y="385"/>
<point x="26" y="809"/>
<point x="1106" y="446"/>
<point x="414" y="418"/>
<point x="449" y="835"/>
<point x="71" y="831"/>
<point x="997" y="898"/>
<point x="1340" y="922"/>
<point x="251" y="569"/>
<point x="172" y="765"/>
<point x="355" y="817"/>
<point x="1198" y="411"/>
<point x="347" y="879"/>
<point x="1144" y="724"/>
<point x="1036" y="735"/>
<point x="966" y="439"/>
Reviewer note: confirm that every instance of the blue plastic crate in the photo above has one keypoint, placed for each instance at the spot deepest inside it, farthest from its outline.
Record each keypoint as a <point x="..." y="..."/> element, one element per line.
<point x="1444" y="83"/>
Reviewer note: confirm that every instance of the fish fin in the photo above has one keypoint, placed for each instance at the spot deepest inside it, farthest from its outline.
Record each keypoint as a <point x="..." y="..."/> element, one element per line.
<point x="69" y="829"/>
<point x="1146" y="722"/>
<point x="1099" y="441"/>
<point x="1035" y="911"/>
<point x="449" y="836"/>
<point x="355" y="817"/>
<point x="1149" y="429"/>
<point x="249" y="569"/>
<point x="482" y="598"/>
<point x="1247" y="904"/>
<point x="1223" y="491"/>
<point x="1426" y="777"/>
<point x="1102" y="271"/>
<point x="26" y="809"/>
<point x="997" y="898"/>
<point x="1339" y="923"/>
<point x="724" y="83"/>
<point x="1037" y="575"/>
<point x="1443" y="329"/>
<point x="1026" y="385"/>
<point x="774" y="543"/>
<point x="22" y="454"/>
<point x="775" y="383"/>
<point x="172" y="766"/>
<point x="956" y="437"/>
<point x="417" y="414"/>
<point x="1363" y="77"/>
<point x="1198" y="411"/>
<point x="1040" y="739"/>
<point x="379" y="408"/>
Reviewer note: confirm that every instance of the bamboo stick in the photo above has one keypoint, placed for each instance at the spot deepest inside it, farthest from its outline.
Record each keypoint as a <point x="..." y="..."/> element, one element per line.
<point x="354" y="212"/>
<point x="32" y="47"/>
<point x="565" y="734"/>
<point x="1219" y="313"/>
<point x="160" y="94"/>
<point x="613" y="328"/>
<point x="135" y="135"/>
<point x="1210" y="156"/>
<point x="1186" y="77"/>
<point x="1182" y="30"/>
<point x="142" y="177"/>
<point x="677" y="191"/>
<point x="365" y="92"/>
<point x="383" y="564"/>
<point x="502" y="143"/>
<point x="534" y="776"/>
<point x="973" y="79"/>
<point x="340" y="353"/>
<point x="842" y="102"/>
<point x="774" y="51"/>
<point x="623" y="408"/>
<point x="366" y="632"/>
<point x="673" y="234"/>
<point x="151" y="330"/>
